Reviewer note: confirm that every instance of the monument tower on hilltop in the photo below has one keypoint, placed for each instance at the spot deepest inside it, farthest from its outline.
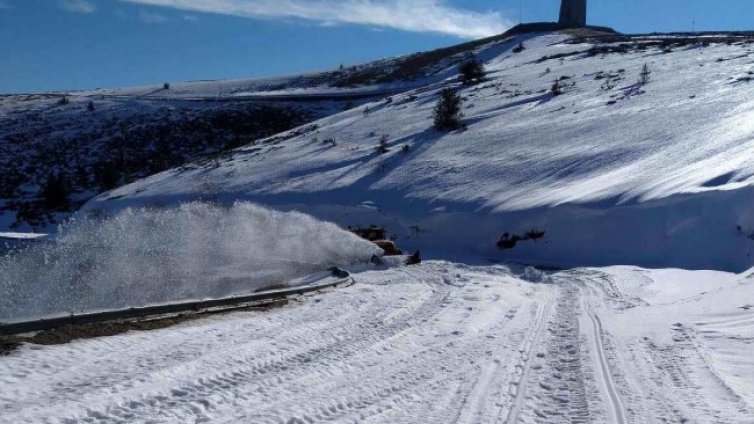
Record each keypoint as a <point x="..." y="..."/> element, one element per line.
<point x="573" y="14"/>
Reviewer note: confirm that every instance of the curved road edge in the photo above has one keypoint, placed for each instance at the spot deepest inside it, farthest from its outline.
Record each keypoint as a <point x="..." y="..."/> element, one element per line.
<point x="338" y="278"/>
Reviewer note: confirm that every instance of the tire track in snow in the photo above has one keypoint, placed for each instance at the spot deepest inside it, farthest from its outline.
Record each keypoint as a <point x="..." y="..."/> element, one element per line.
<point x="438" y="370"/>
<point x="492" y="385"/>
<point x="234" y="369"/>
<point x="699" y="390"/>
<point x="75" y="375"/>
<point x="330" y="357"/>
<point x="615" y="404"/>
<point x="559" y="382"/>
<point x="657" y="380"/>
<point x="527" y="354"/>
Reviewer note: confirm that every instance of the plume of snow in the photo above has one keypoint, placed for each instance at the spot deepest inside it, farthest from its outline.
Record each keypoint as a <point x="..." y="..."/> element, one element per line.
<point x="409" y="15"/>
<point x="147" y="256"/>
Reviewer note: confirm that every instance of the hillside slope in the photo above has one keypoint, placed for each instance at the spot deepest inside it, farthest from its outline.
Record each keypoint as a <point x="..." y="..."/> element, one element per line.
<point x="611" y="171"/>
<point x="55" y="156"/>
<point x="94" y="140"/>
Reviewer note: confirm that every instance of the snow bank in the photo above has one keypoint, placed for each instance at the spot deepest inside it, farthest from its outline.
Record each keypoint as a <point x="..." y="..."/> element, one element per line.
<point x="711" y="230"/>
<point x="143" y="256"/>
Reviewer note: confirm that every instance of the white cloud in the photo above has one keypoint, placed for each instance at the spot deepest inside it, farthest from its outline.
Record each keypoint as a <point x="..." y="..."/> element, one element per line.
<point x="4" y="5"/>
<point x="151" y="17"/>
<point x="77" y="6"/>
<point x="409" y="15"/>
<point x="190" y="18"/>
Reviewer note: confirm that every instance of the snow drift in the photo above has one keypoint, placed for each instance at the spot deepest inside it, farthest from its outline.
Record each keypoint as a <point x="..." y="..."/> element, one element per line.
<point x="144" y="256"/>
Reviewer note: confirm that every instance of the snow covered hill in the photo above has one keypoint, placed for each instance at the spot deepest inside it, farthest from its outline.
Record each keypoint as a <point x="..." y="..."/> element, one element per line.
<point x="85" y="142"/>
<point x="612" y="171"/>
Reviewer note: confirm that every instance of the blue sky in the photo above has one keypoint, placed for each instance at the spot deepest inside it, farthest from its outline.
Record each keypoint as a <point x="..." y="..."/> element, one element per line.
<point x="71" y="44"/>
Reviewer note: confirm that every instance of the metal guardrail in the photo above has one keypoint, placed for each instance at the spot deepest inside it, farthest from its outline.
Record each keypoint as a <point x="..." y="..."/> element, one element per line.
<point x="51" y="323"/>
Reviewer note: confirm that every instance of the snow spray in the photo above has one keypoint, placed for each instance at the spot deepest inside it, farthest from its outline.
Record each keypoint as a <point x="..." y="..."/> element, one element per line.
<point x="146" y="256"/>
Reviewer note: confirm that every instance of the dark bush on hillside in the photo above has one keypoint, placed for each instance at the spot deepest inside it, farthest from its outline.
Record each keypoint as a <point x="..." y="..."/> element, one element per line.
<point x="556" y="89"/>
<point x="55" y="193"/>
<point x="107" y="176"/>
<point x="472" y="71"/>
<point x="383" y="146"/>
<point x="534" y="235"/>
<point x="447" y="114"/>
<point x="166" y="86"/>
<point x="508" y="241"/>
<point x="519" y="48"/>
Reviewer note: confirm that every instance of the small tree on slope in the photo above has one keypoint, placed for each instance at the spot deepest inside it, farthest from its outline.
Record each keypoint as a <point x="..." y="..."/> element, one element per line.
<point x="556" y="89"/>
<point x="472" y="71"/>
<point x="645" y="76"/>
<point x="447" y="112"/>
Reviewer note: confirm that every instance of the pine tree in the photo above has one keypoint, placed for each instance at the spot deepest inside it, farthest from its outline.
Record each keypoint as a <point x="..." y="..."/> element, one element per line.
<point x="447" y="114"/>
<point x="472" y="71"/>
<point x="645" y="76"/>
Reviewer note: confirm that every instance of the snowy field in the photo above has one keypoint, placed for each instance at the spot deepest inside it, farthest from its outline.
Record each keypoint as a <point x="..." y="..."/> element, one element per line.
<point x="437" y="343"/>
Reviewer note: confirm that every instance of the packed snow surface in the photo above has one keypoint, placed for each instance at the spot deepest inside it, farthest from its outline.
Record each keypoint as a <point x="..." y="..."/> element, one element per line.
<point x="615" y="172"/>
<point x="437" y="343"/>
<point x="141" y="257"/>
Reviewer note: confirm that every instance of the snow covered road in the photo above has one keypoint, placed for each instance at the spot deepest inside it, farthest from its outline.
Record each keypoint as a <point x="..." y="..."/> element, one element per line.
<point x="440" y="342"/>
